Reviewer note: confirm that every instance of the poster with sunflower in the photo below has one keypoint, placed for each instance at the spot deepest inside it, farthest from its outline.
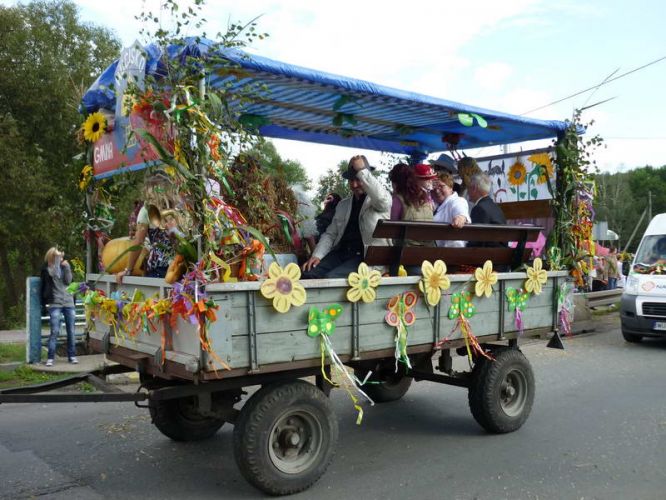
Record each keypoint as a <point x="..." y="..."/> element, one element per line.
<point x="524" y="176"/>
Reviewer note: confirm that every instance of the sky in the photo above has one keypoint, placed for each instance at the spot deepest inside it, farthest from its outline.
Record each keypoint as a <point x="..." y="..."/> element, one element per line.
<point x="510" y="55"/>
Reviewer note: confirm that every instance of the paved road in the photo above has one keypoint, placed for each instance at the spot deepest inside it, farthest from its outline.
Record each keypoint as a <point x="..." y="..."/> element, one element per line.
<point x="597" y="430"/>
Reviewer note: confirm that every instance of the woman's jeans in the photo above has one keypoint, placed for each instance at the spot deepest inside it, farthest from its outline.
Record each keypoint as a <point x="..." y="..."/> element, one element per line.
<point x="55" y="313"/>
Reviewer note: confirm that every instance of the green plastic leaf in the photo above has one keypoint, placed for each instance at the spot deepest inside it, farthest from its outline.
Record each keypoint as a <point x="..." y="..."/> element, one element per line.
<point x="341" y="101"/>
<point x="480" y="120"/>
<point x="164" y="154"/>
<point x="258" y="235"/>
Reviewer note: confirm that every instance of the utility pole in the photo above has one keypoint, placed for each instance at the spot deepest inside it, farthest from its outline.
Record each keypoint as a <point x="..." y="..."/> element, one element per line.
<point x="649" y="206"/>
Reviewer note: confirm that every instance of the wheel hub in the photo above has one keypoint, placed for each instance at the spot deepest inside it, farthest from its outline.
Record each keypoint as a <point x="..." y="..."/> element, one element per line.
<point x="513" y="393"/>
<point x="295" y="441"/>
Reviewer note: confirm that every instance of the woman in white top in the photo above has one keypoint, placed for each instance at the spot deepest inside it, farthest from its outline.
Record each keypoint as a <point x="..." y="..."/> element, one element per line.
<point x="451" y="208"/>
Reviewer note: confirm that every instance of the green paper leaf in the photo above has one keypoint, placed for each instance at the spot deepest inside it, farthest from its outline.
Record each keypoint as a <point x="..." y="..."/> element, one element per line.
<point x="480" y="120"/>
<point x="465" y="119"/>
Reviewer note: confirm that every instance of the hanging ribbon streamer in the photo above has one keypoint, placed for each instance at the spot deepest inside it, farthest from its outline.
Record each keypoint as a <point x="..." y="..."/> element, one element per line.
<point x="565" y="307"/>
<point x="461" y="310"/>
<point x="322" y="324"/>
<point x="517" y="302"/>
<point x="401" y="316"/>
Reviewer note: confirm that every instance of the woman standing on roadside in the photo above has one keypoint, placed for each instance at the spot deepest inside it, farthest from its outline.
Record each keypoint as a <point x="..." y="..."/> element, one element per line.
<point x="56" y="274"/>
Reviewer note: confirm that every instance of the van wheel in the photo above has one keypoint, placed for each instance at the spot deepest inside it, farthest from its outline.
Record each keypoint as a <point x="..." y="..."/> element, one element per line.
<point x="502" y="391"/>
<point x="180" y="420"/>
<point x="631" y="337"/>
<point x="285" y="437"/>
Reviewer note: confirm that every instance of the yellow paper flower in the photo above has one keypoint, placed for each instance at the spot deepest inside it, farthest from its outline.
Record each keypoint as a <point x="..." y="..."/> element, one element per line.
<point x="94" y="126"/>
<point x="517" y="174"/>
<point x="363" y="284"/>
<point x="434" y="281"/>
<point x="283" y="287"/>
<point x="485" y="279"/>
<point x="536" y="277"/>
<point x="85" y="177"/>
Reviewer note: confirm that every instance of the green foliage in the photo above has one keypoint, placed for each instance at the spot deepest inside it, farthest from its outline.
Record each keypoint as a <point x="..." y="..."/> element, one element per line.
<point x="48" y="57"/>
<point x="623" y="196"/>
<point x="272" y="163"/>
<point x="25" y="375"/>
<point x="333" y="182"/>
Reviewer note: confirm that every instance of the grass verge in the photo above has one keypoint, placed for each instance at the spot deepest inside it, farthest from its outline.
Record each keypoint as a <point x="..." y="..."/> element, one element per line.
<point x="12" y="352"/>
<point x="24" y="375"/>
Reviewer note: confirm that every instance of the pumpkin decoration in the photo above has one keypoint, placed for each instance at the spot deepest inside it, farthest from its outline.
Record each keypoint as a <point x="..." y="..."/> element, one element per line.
<point x="115" y="256"/>
<point x="177" y="268"/>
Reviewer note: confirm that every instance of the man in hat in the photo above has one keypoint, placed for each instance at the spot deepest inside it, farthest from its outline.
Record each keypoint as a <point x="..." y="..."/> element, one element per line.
<point x="341" y="248"/>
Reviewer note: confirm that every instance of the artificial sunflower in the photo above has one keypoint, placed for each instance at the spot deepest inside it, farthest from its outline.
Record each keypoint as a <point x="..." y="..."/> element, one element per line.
<point x="544" y="166"/>
<point x="485" y="279"/>
<point x="283" y="287"/>
<point x="536" y="277"/>
<point x="94" y="126"/>
<point x="517" y="174"/>
<point x="434" y="281"/>
<point x="85" y="177"/>
<point x="363" y="284"/>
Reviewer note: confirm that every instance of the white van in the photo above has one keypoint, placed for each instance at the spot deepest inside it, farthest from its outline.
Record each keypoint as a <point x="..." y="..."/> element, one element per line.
<point x="643" y="308"/>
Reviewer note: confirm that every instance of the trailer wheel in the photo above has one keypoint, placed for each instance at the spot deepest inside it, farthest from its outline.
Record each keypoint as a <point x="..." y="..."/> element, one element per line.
<point x="285" y="437"/>
<point x="180" y="420"/>
<point x="631" y="337"/>
<point x="385" y="385"/>
<point x="502" y="391"/>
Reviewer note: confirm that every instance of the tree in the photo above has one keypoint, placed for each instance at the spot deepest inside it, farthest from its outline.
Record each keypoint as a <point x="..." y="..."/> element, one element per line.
<point x="48" y="57"/>
<point x="332" y="182"/>
<point x="271" y="161"/>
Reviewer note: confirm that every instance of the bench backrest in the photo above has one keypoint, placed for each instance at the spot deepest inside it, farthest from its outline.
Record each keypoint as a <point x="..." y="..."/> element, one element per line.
<point x="399" y="231"/>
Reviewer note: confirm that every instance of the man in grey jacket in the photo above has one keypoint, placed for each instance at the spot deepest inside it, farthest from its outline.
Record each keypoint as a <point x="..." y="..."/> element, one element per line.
<point x="341" y="248"/>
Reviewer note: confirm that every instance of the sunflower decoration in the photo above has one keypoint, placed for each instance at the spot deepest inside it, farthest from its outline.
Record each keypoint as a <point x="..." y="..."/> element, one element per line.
<point x="85" y="177"/>
<point x="485" y="279"/>
<point x="536" y="277"/>
<point x="517" y="174"/>
<point x="434" y="280"/>
<point x="544" y="166"/>
<point x="283" y="288"/>
<point x="94" y="126"/>
<point x="363" y="284"/>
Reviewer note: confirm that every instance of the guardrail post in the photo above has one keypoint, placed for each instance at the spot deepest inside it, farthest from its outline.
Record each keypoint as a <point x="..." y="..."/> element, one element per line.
<point x="33" y="320"/>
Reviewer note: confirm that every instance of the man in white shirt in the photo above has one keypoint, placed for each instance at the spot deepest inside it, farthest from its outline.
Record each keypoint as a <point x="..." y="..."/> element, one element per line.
<point x="451" y="208"/>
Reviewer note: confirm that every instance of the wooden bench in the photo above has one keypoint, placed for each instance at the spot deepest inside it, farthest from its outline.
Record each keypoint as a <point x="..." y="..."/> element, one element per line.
<point x="501" y="256"/>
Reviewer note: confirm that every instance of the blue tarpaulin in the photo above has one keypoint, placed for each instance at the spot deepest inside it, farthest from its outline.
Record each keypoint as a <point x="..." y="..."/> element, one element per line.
<point x="307" y="105"/>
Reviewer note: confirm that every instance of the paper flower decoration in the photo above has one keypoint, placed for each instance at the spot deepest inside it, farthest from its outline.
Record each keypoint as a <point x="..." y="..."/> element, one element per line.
<point x="94" y="126"/>
<point x="401" y="316"/>
<point x="516" y="299"/>
<point x="434" y="281"/>
<point x="461" y="306"/>
<point x="485" y="279"/>
<point x="363" y="284"/>
<point x="323" y="322"/>
<point x="283" y="287"/>
<point x="536" y="277"/>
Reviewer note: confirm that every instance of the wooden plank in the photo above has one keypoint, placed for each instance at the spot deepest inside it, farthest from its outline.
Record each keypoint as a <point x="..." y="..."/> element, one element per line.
<point x="526" y="209"/>
<point x="472" y="256"/>
<point x="429" y="231"/>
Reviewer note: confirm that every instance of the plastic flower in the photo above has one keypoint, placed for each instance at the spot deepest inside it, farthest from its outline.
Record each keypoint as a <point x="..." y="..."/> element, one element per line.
<point x="544" y="165"/>
<point x="434" y="281"/>
<point x="94" y="126"/>
<point x="536" y="277"/>
<point x="363" y="284"/>
<point x="283" y="287"/>
<point x="517" y="174"/>
<point x="485" y="279"/>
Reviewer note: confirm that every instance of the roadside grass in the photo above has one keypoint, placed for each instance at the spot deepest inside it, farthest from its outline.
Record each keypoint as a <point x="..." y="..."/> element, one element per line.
<point x="25" y="375"/>
<point x="12" y="352"/>
<point x="605" y="310"/>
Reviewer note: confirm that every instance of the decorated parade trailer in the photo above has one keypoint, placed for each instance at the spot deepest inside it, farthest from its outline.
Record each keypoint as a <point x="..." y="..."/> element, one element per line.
<point x="198" y="340"/>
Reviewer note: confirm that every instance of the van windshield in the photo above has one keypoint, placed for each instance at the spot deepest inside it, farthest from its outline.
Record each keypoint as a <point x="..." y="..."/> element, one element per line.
<point x="651" y="254"/>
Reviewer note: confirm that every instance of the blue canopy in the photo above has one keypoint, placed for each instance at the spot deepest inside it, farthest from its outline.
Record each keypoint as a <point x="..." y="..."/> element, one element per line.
<point x="313" y="106"/>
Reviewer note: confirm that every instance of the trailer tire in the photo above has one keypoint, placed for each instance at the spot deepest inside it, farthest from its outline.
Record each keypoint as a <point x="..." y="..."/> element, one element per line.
<point x="631" y="337"/>
<point x="501" y="393"/>
<point x="391" y="386"/>
<point x="285" y="437"/>
<point x="177" y="419"/>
